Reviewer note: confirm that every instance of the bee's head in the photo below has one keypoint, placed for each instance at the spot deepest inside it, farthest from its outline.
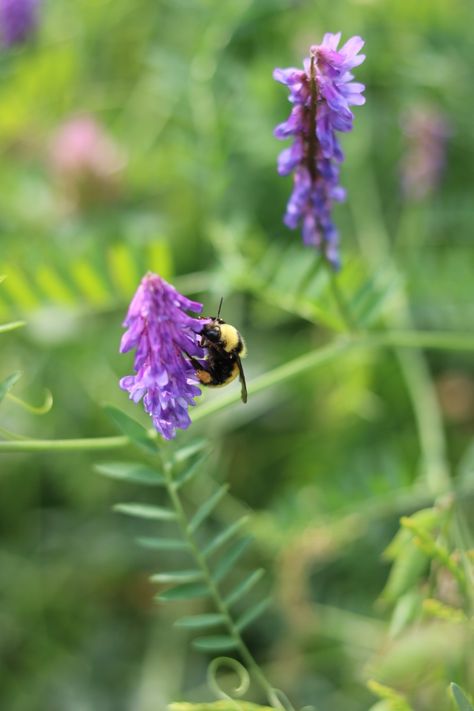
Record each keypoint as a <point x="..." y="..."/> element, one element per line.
<point x="212" y="330"/>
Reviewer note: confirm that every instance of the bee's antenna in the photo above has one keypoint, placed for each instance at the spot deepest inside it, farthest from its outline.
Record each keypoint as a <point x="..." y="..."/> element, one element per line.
<point x="220" y="306"/>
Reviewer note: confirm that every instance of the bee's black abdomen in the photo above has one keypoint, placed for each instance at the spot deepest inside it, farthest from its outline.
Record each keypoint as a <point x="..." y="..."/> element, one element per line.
<point x="222" y="369"/>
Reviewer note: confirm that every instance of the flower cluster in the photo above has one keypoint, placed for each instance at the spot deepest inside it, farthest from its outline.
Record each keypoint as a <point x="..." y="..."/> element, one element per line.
<point x="163" y="335"/>
<point x="321" y="94"/>
<point x="18" y="19"/>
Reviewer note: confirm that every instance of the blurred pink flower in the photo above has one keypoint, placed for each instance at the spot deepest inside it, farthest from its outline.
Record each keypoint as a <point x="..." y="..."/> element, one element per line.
<point x="426" y="131"/>
<point x="86" y="161"/>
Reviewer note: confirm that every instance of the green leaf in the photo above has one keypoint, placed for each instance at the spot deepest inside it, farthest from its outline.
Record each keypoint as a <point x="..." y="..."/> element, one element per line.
<point x="374" y="297"/>
<point x="460" y="698"/>
<point x="395" y="700"/>
<point x="7" y="384"/>
<point x="224" y="536"/>
<point x="188" y="591"/>
<point x="205" y="509"/>
<point x="189" y="473"/>
<point x="252" y="613"/>
<point x="12" y="326"/>
<point x="146" y="511"/>
<point x="137" y="433"/>
<point x="131" y="471"/>
<point x="382" y="706"/>
<point x="230" y="557"/>
<point x="219" y="643"/>
<point x="244" y="587"/>
<point x="210" y="619"/>
<point x="407" y="609"/>
<point x="406" y="570"/>
<point x="177" y="577"/>
<point x="186" y="452"/>
<point x="162" y="544"/>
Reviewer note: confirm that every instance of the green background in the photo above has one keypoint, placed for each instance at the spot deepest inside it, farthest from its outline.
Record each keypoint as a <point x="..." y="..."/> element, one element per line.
<point x="327" y="462"/>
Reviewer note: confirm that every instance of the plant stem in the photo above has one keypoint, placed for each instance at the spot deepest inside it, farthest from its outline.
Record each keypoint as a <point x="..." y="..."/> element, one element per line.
<point x="298" y="366"/>
<point x="216" y="596"/>
<point x="65" y="445"/>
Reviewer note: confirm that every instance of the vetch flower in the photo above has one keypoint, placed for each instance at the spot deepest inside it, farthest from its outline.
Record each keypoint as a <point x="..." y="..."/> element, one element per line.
<point x="18" y="20"/>
<point x="162" y="334"/>
<point x="321" y="94"/>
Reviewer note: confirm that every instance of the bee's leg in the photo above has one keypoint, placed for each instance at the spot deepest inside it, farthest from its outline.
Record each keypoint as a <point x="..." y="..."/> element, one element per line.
<point x="203" y="375"/>
<point x="195" y="363"/>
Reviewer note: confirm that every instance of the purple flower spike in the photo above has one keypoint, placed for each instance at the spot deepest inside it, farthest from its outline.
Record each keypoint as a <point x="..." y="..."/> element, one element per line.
<point x="321" y="95"/>
<point x="18" y="20"/>
<point x="162" y="334"/>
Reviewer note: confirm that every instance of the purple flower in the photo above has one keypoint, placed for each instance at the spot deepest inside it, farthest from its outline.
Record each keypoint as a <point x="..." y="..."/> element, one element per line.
<point x="18" y="19"/>
<point x="163" y="335"/>
<point x="321" y="95"/>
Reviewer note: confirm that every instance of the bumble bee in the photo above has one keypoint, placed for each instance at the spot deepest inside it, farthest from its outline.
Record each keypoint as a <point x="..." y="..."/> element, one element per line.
<point x="225" y="347"/>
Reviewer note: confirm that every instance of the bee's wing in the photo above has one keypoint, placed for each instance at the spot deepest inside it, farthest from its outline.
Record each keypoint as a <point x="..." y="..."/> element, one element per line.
<point x="243" y="392"/>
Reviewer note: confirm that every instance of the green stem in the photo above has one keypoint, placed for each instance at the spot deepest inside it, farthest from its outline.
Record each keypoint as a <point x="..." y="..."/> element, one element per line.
<point x="65" y="445"/>
<point x="282" y="373"/>
<point x="216" y="596"/>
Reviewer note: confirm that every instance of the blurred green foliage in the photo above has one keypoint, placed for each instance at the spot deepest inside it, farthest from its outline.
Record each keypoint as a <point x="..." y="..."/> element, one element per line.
<point x="328" y="462"/>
